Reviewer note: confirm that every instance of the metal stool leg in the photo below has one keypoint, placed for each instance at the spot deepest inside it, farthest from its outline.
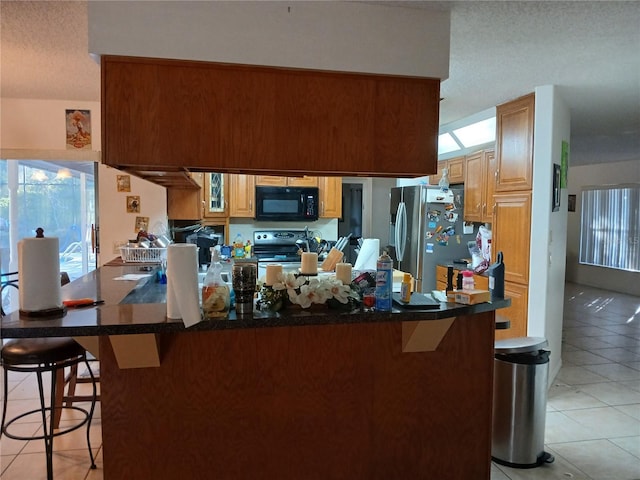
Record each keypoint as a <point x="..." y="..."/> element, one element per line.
<point x="93" y="406"/>
<point x="47" y="430"/>
<point x="4" y="402"/>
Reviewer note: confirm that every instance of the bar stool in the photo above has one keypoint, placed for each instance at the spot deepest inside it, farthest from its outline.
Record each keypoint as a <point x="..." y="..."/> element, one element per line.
<point x="40" y="355"/>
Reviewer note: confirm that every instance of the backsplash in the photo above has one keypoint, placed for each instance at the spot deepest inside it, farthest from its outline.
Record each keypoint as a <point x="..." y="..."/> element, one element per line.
<point x="326" y="229"/>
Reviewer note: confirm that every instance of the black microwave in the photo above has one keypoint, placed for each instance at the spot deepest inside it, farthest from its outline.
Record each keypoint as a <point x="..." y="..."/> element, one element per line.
<point x="287" y="204"/>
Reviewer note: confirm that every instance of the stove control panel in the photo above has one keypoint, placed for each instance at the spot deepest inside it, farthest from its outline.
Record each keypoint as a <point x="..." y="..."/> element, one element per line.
<point x="277" y="237"/>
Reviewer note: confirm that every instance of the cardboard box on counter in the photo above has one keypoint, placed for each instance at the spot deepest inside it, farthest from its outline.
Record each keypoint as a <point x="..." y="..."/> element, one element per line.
<point x="469" y="297"/>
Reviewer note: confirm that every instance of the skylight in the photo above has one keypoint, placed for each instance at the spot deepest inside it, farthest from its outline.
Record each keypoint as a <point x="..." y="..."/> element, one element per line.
<point x="466" y="135"/>
<point x="447" y="144"/>
<point x="477" y="133"/>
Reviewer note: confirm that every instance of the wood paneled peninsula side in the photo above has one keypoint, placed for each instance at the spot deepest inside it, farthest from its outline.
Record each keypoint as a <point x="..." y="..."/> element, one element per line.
<point x="313" y="395"/>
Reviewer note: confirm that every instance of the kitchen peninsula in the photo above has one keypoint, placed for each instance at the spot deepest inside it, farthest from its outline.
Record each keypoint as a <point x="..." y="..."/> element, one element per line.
<point x="300" y="395"/>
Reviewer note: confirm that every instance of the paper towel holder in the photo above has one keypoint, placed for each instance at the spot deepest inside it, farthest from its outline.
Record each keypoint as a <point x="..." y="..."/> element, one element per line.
<point x="55" y="312"/>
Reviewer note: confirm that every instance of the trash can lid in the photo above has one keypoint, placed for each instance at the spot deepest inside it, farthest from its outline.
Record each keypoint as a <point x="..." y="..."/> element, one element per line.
<point x="520" y="344"/>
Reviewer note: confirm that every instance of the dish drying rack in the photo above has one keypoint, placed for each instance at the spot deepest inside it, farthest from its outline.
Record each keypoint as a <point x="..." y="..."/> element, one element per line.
<point x="143" y="255"/>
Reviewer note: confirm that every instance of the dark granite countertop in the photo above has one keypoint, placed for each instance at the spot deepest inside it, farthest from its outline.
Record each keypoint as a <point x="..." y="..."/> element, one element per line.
<point x="122" y="313"/>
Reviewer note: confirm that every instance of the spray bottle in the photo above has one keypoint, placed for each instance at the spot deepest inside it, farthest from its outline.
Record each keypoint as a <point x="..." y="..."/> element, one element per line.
<point x="216" y="297"/>
<point x="384" y="282"/>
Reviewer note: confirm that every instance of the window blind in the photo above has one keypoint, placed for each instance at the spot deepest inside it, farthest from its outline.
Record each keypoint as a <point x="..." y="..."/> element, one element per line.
<point x="610" y="227"/>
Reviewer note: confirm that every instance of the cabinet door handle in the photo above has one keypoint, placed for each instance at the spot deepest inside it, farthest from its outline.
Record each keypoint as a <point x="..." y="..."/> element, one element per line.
<point x="484" y="208"/>
<point x="322" y="207"/>
<point x="251" y="205"/>
<point x="494" y="208"/>
<point x="495" y="176"/>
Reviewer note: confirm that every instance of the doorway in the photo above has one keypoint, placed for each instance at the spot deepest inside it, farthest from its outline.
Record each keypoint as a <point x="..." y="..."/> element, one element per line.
<point x="351" y="221"/>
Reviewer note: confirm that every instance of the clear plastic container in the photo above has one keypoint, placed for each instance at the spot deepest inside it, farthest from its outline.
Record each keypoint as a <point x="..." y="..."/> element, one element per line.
<point x="467" y="280"/>
<point x="216" y="297"/>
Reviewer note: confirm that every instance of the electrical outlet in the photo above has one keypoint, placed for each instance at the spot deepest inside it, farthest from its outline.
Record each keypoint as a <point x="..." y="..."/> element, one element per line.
<point x="117" y="244"/>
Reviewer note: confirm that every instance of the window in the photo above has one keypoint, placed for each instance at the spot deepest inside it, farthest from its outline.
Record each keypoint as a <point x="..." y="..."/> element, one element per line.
<point x="610" y="227"/>
<point x="58" y="196"/>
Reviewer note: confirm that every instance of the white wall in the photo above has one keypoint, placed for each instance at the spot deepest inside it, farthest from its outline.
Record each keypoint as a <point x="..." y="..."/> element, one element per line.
<point x="116" y="225"/>
<point x="27" y="124"/>
<point x="36" y="130"/>
<point x="343" y="36"/>
<point x="548" y="229"/>
<point x="600" y="277"/>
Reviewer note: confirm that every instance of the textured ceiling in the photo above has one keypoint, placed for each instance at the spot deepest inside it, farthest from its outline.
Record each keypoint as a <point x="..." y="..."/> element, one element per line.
<point x="499" y="50"/>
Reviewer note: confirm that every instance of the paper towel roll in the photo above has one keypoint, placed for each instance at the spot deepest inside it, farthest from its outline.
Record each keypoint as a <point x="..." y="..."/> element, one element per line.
<point x="39" y="274"/>
<point x="368" y="256"/>
<point x="183" y="300"/>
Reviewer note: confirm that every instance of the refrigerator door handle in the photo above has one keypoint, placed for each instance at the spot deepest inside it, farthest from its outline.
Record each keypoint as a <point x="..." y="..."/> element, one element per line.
<point x="401" y="230"/>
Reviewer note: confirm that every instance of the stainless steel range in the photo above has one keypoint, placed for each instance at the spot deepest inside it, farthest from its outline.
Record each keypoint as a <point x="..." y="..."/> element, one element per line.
<point x="278" y="246"/>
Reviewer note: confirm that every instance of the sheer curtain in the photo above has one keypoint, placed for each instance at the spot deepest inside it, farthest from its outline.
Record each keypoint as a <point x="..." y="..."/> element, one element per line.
<point x="610" y="226"/>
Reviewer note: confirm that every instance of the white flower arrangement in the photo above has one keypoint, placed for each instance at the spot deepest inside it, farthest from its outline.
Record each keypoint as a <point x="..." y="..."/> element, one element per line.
<point x="305" y="291"/>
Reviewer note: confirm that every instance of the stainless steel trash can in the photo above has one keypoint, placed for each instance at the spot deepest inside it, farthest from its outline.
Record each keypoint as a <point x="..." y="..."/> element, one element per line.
<point x="521" y="371"/>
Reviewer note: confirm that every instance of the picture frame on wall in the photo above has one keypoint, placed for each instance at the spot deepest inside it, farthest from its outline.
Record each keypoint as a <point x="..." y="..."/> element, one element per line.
<point x="124" y="183"/>
<point x="556" y="188"/>
<point x="142" y="224"/>
<point x="133" y="204"/>
<point x="571" y="204"/>
<point x="78" y="129"/>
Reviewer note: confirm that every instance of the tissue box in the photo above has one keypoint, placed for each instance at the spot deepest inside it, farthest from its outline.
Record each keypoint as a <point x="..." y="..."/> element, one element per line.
<point x="471" y="297"/>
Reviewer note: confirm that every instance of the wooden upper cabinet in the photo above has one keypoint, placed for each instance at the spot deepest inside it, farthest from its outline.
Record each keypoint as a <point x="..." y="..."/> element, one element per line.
<point x="455" y="168"/>
<point x="330" y="197"/>
<point x="270" y="180"/>
<point x="216" y="193"/>
<point x="474" y="188"/>
<point x="511" y="232"/>
<point x="242" y="193"/>
<point x="186" y="203"/>
<point x="489" y="175"/>
<point x="435" y="179"/>
<point x="235" y="118"/>
<point x="302" y="181"/>
<point x="479" y="186"/>
<point x="514" y="144"/>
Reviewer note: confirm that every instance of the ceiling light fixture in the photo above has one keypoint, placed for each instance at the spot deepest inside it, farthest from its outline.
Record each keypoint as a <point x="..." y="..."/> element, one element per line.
<point x="63" y="173"/>
<point x="39" y="176"/>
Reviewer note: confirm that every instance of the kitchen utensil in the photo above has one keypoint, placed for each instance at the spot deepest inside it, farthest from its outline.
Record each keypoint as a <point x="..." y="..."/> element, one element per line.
<point x="345" y="241"/>
<point x="82" y="302"/>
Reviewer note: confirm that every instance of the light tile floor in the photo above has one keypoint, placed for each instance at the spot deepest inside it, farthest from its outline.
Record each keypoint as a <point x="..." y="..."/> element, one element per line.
<point x="593" y="408"/>
<point x="593" y="411"/>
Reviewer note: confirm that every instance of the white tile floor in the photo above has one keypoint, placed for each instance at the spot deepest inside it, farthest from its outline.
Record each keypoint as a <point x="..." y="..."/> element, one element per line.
<point x="593" y="410"/>
<point x="593" y="413"/>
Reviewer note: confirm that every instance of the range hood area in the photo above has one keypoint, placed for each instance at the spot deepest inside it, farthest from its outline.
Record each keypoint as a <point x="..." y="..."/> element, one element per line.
<point x="314" y="88"/>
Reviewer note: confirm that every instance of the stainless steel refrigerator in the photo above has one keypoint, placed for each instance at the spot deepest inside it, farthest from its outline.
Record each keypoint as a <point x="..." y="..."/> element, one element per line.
<point x="427" y="229"/>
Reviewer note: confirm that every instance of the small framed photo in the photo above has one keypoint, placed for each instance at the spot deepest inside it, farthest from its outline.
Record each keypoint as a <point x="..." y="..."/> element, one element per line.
<point x="133" y="204"/>
<point x="78" y="127"/>
<point x="124" y="183"/>
<point x="556" y="188"/>
<point x="572" y="203"/>
<point x="142" y="224"/>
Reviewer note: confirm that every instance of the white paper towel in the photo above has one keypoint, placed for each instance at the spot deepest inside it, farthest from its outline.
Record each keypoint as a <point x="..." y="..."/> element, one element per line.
<point x="368" y="256"/>
<point x="183" y="299"/>
<point x="39" y="274"/>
